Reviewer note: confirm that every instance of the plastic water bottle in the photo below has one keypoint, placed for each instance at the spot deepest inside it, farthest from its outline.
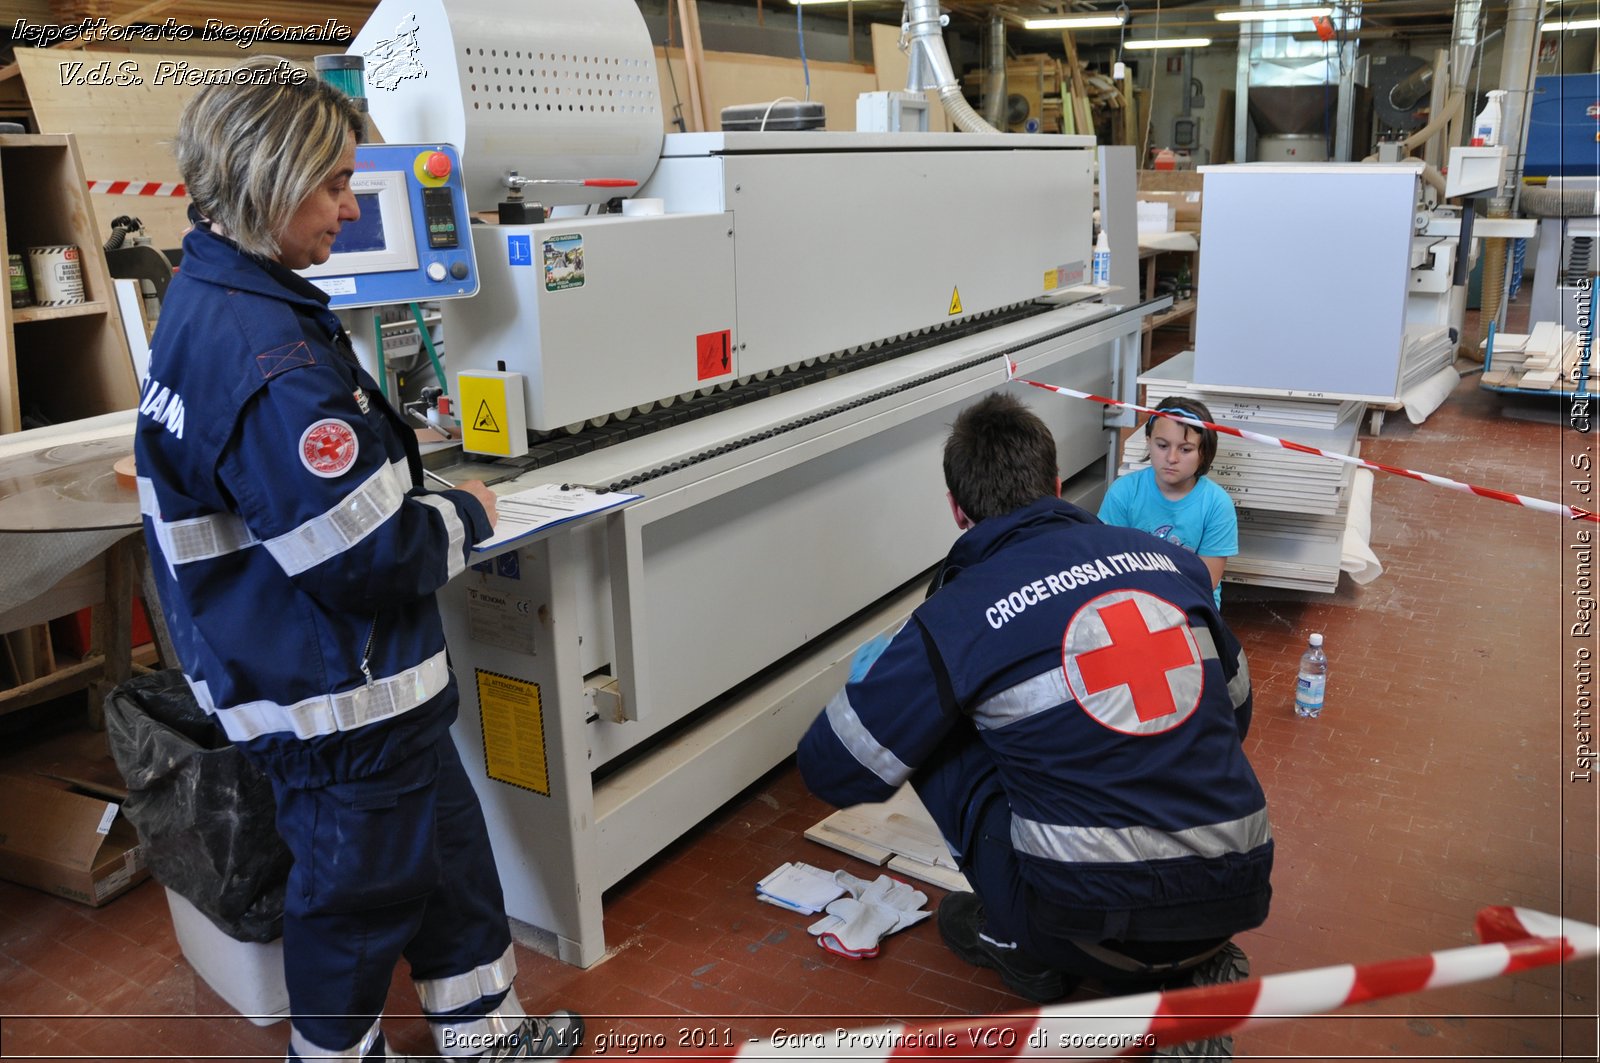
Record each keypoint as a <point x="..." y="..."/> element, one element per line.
<point x="1100" y="265"/>
<point x="1309" y="688"/>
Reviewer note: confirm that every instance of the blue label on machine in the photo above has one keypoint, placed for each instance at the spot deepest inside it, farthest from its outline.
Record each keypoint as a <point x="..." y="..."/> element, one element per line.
<point x="519" y="250"/>
<point x="413" y="240"/>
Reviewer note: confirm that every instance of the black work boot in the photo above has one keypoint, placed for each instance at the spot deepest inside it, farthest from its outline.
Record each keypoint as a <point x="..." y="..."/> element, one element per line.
<point x="1227" y="964"/>
<point x="961" y="926"/>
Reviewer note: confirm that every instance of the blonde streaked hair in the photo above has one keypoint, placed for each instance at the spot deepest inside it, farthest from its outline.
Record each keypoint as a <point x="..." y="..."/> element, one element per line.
<point x="251" y="148"/>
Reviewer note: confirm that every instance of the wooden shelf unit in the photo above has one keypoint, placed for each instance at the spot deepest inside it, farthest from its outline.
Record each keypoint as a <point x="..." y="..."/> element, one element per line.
<point x="65" y="362"/>
<point x="1181" y="308"/>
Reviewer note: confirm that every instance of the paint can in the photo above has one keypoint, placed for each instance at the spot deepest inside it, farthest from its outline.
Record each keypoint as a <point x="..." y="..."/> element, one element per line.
<point x="18" y="283"/>
<point x="57" y="274"/>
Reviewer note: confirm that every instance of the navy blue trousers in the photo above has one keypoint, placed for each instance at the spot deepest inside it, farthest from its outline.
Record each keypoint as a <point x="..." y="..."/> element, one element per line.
<point x="960" y="786"/>
<point x="394" y="865"/>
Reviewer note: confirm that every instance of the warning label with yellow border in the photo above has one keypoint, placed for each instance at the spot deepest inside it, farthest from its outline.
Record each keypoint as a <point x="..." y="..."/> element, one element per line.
<point x="513" y="731"/>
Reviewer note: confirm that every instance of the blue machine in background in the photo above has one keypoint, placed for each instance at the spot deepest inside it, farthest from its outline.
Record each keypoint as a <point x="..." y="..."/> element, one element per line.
<point x="1564" y="127"/>
<point x="413" y="240"/>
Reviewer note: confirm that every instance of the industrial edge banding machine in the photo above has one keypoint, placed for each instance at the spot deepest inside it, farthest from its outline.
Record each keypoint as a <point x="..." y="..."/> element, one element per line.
<point x="772" y="361"/>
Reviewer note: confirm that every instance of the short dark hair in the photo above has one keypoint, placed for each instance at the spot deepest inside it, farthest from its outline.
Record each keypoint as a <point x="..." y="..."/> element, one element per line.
<point x="1196" y="410"/>
<point x="999" y="457"/>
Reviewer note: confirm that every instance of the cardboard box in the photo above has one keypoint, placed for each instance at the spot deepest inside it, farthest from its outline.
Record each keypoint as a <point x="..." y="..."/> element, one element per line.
<point x="1170" y="181"/>
<point x="67" y="840"/>
<point x="1156" y="217"/>
<point x="1185" y="207"/>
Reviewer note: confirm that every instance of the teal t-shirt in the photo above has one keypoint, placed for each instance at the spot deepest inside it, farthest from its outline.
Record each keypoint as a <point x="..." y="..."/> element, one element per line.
<point x="1202" y="521"/>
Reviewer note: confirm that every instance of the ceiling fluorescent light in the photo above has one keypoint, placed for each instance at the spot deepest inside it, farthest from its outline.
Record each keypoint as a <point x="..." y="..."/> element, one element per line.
<point x="1576" y="24"/>
<point x="1074" y="22"/>
<point x="1170" y="42"/>
<point x="1270" y="14"/>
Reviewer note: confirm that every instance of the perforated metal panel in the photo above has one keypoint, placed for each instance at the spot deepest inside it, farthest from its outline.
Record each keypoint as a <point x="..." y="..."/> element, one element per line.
<point x="555" y="91"/>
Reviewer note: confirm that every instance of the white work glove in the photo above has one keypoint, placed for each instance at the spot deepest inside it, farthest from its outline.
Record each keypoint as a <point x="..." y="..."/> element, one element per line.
<point x="855" y="924"/>
<point x="853" y="929"/>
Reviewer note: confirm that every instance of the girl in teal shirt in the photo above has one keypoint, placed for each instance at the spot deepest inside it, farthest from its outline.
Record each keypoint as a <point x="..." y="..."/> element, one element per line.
<point x="1171" y="498"/>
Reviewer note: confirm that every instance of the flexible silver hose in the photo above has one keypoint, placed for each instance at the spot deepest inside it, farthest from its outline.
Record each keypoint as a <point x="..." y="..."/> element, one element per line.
<point x="923" y="26"/>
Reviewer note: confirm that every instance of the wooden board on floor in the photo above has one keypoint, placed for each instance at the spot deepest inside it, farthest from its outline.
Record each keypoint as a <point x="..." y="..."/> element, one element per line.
<point x="825" y="834"/>
<point x="899" y="832"/>
<point x="949" y="879"/>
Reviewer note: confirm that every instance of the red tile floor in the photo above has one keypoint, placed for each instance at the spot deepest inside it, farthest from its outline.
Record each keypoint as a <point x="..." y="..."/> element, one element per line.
<point x="1437" y="782"/>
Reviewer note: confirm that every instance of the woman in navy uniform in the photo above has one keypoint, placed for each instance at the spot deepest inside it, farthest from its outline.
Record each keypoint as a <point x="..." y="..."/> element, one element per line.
<point x="297" y="558"/>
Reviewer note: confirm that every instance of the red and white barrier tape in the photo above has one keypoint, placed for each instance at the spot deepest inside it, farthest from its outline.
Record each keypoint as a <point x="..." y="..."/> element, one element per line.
<point x="1515" y="940"/>
<point x="138" y="188"/>
<point x="1527" y="501"/>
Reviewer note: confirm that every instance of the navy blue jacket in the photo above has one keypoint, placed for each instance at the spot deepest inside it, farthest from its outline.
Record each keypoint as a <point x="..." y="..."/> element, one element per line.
<point x="1092" y="662"/>
<point x="295" y="553"/>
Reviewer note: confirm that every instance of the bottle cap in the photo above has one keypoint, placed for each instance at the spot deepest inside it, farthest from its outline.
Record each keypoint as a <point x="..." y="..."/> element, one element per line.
<point x="1316" y="639"/>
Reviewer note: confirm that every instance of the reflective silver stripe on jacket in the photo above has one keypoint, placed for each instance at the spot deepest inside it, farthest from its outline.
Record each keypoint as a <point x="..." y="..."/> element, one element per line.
<point x="355" y="517"/>
<point x="849" y="729"/>
<point x="303" y="1047"/>
<point x="196" y="538"/>
<point x="1047" y="690"/>
<point x="459" y="990"/>
<point x="491" y="1032"/>
<point x="1027" y="698"/>
<point x="458" y="531"/>
<point x="325" y="714"/>
<point x="1239" y="685"/>
<point x="1127" y="845"/>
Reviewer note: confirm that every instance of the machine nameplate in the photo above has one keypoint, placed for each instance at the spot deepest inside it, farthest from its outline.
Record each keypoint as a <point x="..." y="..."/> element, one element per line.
<point x="513" y="731"/>
<point x="502" y="620"/>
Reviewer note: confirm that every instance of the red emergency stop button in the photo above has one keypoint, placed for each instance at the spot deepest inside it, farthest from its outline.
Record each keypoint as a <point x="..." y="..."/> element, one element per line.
<point x="437" y="165"/>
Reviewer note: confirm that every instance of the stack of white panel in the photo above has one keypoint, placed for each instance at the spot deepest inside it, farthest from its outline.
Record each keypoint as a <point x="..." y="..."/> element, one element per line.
<point x="1297" y="550"/>
<point x="1173" y="376"/>
<point x="1426" y="351"/>
<point x="1292" y="506"/>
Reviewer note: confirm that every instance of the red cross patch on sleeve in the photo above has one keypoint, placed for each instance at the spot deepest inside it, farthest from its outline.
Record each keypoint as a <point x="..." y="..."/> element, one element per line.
<point x="328" y="448"/>
<point x="1132" y="663"/>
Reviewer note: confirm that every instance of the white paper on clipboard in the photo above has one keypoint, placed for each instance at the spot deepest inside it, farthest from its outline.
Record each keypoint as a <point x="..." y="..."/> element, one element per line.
<point x="537" y="508"/>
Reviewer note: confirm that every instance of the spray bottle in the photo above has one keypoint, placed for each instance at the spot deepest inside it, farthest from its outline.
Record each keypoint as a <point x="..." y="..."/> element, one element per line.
<point x="1486" y="127"/>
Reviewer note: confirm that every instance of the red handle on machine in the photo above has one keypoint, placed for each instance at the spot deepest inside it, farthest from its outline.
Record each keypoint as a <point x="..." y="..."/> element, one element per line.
<point x="591" y="182"/>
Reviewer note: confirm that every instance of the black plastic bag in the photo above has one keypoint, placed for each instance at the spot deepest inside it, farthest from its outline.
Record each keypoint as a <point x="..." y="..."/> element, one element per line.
<point x="205" y="814"/>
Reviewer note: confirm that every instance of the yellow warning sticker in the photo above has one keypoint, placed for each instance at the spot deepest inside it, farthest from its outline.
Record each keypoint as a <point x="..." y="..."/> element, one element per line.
<point x="513" y="731"/>
<point x="483" y="400"/>
<point x="1052" y="280"/>
<point x="955" y="301"/>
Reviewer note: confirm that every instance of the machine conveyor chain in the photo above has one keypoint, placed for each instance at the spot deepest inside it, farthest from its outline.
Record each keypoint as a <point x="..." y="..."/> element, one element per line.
<point x="850" y="364"/>
<point x="561" y="446"/>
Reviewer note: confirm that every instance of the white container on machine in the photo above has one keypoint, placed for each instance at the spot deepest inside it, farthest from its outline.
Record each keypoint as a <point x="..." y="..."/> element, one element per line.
<point x="1100" y="265"/>
<point x="1312" y="681"/>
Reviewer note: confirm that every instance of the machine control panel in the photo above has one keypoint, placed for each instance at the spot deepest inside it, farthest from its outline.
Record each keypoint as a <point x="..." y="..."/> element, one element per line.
<point x="413" y="240"/>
